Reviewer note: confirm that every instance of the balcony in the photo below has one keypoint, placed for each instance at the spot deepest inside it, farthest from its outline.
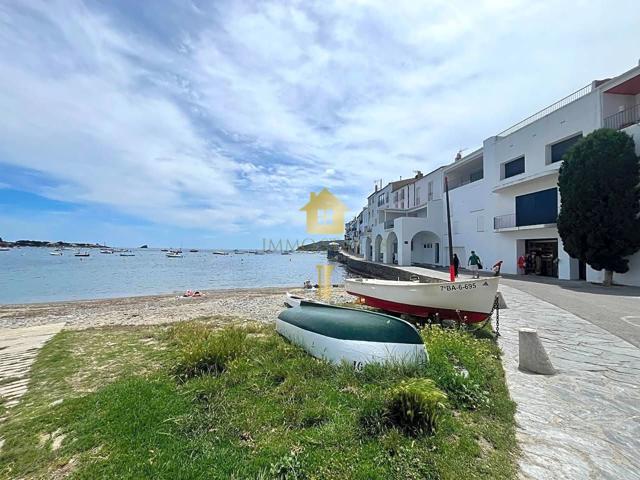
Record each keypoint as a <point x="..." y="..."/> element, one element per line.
<point x="504" y="221"/>
<point x="509" y="223"/>
<point x="625" y="118"/>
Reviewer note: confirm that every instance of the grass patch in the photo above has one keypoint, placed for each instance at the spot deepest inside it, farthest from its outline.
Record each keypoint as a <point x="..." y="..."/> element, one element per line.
<point x="249" y="405"/>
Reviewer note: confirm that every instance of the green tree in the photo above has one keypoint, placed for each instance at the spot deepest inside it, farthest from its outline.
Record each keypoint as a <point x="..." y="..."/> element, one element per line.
<point x="599" y="187"/>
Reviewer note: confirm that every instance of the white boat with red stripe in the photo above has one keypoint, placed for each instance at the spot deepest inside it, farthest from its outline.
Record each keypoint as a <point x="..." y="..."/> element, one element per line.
<point x="470" y="301"/>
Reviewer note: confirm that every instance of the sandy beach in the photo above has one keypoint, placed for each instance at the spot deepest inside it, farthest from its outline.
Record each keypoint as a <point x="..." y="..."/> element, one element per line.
<point x="261" y="304"/>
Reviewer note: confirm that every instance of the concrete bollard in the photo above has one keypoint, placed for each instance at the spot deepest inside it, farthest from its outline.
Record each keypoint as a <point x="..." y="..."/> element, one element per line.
<point x="532" y="355"/>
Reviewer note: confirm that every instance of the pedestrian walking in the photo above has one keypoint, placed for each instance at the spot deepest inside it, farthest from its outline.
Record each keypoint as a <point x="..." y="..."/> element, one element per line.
<point x="456" y="264"/>
<point x="474" y="264"/>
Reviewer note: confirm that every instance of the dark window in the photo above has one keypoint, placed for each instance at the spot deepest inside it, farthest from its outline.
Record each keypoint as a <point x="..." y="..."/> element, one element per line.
<point x="475" y="176"/>
<point x="537" y="208"/>
<point x="559" y="149"/>
<point x="514" y="167"/>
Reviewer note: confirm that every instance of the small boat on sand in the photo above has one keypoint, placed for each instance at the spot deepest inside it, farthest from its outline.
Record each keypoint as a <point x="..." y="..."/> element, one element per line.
<point x="194" y="250"/>
<point x="174" y="254"/>
<point x="340" y="334"/>
<point x="56" y="253"/>
<point x="220" y="252"/>
<point x="292" y="300"/>
<point x="4" y="249"/>
<point x="473" y="299"/>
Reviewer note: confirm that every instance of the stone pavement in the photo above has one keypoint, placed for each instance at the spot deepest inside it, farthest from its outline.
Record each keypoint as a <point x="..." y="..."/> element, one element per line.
<point x="583" y="422"/>
<point x="18" y="350"/>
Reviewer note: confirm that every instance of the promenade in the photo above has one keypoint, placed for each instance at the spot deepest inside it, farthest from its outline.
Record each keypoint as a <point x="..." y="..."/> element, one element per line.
<point x="583" y="422"/>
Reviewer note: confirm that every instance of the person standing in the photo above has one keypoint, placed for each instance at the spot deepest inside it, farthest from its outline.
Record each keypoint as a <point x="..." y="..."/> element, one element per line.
<point x="456" y="264"/>
<point x="474" y="264"/>
<point x="521" y="264"/>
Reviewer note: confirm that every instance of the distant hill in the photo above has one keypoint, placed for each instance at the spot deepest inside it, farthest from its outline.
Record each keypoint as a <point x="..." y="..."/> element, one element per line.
<point x="44" y="243"/>
<point x="321" y="246"/>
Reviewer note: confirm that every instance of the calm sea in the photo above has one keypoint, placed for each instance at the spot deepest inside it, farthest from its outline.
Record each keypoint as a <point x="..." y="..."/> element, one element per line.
<point x="31" y="275"/>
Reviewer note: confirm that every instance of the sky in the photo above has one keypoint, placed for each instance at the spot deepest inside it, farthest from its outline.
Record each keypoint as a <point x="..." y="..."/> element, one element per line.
<point x="209" y="123"/>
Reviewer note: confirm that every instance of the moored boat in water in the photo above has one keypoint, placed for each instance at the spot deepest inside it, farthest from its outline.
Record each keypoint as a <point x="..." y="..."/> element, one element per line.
<point x="340" y="334"/>
<point x="470" y="301"/>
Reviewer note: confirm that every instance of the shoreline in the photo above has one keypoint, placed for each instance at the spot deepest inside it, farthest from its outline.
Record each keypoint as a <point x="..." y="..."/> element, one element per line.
<point x="250" y="304"/>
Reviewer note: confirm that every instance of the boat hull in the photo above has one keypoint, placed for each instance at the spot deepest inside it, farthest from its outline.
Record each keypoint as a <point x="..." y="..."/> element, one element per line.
<point x="357" y="337"/>
<point x="470" y="300"/>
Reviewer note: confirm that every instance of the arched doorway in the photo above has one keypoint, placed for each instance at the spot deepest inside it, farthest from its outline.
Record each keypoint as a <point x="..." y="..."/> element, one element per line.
<point x="391" y="253"/>
<point x="368" y="249"/>
<point x="425" y="248"/>
<point x="377" y="250"/>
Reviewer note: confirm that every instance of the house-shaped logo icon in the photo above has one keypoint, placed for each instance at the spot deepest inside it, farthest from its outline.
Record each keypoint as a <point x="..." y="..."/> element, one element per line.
<point x="325" y="213"/>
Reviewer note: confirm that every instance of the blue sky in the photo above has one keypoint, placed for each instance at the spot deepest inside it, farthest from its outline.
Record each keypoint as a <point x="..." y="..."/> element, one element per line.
<point x="208" y="123"/>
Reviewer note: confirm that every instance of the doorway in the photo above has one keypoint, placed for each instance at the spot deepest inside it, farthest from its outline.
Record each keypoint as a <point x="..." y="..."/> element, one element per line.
<point x="582" y="270"/>
<point x="542" y="255"/>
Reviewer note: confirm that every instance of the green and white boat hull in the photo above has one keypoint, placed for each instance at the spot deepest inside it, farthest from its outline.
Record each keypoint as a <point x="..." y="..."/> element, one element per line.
<point x="358" y="337"/>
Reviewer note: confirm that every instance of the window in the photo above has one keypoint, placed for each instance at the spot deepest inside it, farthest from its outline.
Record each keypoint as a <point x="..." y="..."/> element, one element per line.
<point x="429" y="191"/>
<point x="417" y="195"/>
<point x="381" y="200"/>
<point x="537" y="208"/>
<point x="514" y="167"/>
<point x="559" y="149"/>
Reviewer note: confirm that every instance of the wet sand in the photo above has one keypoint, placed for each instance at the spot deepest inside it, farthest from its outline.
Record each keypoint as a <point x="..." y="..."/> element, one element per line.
<point x="261" y="304"/>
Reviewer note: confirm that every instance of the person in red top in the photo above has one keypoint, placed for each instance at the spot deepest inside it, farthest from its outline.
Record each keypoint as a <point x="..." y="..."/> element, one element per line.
<point x="521" y="263"/>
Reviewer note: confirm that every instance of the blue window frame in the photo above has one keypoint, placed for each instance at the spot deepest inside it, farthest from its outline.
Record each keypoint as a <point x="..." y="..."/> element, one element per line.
<point x="514" y="167"/>
<point x="559" y="149"/>
<point x="537" y="208"/>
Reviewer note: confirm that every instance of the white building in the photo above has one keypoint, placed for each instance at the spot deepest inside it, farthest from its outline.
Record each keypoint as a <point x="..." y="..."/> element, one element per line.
<point x="504" y="196"/>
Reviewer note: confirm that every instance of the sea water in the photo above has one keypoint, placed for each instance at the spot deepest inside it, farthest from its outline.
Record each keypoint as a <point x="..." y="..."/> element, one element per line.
<point x="32" y="275"/>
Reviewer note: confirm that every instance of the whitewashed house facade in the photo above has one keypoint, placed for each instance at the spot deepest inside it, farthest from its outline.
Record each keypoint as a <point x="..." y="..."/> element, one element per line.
<point x="504" y="196"/>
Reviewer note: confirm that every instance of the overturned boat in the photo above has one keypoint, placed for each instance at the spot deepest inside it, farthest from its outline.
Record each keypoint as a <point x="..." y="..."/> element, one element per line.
<point x="358" y="337"/>
<point x="469" y="301"/>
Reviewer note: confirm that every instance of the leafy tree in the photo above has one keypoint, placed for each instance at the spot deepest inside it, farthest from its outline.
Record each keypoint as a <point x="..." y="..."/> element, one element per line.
<point x="599" y="187"/>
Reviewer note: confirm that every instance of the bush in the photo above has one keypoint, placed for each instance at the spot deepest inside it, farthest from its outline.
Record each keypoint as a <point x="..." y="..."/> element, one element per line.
<point x="463" y="366"/>
<point x="415" y="405"/>
<point x="202" y="350"/>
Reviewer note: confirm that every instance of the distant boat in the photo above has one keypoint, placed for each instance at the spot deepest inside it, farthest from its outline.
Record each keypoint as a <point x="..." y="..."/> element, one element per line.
<point x="4" y="249"/>
<point x="220" y="252"/>
<point x="56" y="253"/>
<point x="174" y="254"/>
<point x="285" y="252"/>
<point x="128" y="253"/>
<point x="164" y="249"/>
<point x="193" y="250"/>
<point x="106" y="251"/>
<point x="81" y="254"/>
<point x="258" y="253"/>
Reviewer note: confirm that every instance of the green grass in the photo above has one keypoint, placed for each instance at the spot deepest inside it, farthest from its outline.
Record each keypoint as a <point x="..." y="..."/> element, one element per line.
<point x="250" y="406"/>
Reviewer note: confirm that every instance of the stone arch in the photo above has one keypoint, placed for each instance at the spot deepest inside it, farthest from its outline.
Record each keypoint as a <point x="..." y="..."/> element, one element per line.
<point x="377" y="249"/>
<point x="368" y="249"/>
<point x="426" y="248"/>
<point x="391" y="249"/>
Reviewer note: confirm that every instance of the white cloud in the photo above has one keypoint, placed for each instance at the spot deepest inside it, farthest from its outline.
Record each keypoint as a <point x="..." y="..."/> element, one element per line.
<point x="238" y="111"/>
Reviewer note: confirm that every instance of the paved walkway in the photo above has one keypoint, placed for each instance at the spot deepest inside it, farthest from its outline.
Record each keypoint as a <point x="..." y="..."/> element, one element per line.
<point x="18" y="350"/>
<point x="584" y="422"/>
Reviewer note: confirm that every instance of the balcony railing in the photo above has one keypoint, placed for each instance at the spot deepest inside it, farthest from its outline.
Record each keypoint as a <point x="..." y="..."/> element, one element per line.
<point x="623" y="119"/>
<point x="504" y="221"/>
<point x="546" y="111"/>
<point x="388" y="225"/>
